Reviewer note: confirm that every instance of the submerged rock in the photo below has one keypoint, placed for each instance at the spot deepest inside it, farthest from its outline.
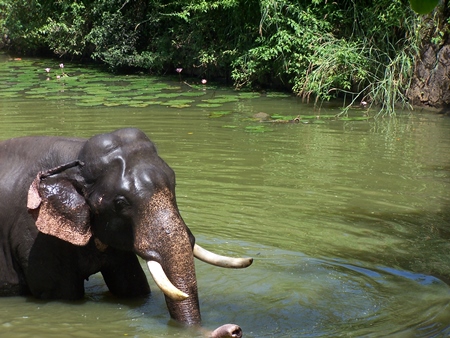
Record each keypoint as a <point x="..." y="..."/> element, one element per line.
<point x="261" y="116"/>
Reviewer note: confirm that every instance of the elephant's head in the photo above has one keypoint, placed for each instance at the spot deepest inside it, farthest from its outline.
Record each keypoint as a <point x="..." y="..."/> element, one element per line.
<point x="123" y="194"/>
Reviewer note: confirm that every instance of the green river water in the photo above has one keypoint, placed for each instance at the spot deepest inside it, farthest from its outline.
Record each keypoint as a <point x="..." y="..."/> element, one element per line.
<point x="348" y="219"/>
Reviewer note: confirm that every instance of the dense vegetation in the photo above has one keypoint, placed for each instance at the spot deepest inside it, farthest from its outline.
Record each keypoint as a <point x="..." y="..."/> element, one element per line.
<point x="363" y="50"/>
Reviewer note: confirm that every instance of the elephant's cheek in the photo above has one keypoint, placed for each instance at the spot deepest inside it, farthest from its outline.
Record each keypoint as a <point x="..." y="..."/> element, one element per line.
<point x="158" y="227"/>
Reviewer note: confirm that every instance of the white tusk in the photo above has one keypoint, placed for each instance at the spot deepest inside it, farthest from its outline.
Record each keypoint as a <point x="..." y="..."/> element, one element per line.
<point x="164" y="283"/>
<point x="218" y="260"/>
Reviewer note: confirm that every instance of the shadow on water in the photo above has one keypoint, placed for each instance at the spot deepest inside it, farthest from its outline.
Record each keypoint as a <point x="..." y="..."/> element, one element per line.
<point x="426" y="248"/>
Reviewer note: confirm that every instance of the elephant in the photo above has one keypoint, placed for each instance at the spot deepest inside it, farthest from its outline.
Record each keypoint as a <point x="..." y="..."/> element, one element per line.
<point x="72" y="207"/>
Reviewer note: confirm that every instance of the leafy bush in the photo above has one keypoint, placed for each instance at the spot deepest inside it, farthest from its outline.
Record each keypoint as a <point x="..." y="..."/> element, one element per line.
<point x="323" y="49"/>
<point x="317" y="48"/>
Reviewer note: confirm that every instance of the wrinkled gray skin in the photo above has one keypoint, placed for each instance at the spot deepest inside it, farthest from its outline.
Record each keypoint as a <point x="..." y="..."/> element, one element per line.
<point x="94" y="215"/>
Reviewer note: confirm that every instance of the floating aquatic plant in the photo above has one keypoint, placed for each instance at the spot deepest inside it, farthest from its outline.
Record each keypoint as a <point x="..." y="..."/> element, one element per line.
<point x="88" y="87"/>
<point x="181" y="103"/>
<point x="278" y="94"/>
<point x="193" y="94"/>
<point x="249" y="95"/>
<point x="138" y="105"/>
<point x="222" y="99"/>
<point x="9" y="94"/>
<point x="111" y="104"/>
<point x="166" y="95"/>
<point x="89" y="103"/>
<point x="220" y="113"/>
<point x="318" y="118"/>
<point x="179" y="106"/>
<point x="258" y="129"/>
<point x="209" y="105"/>
<point x="57" y="97"/>
<point x="354" y="118"/>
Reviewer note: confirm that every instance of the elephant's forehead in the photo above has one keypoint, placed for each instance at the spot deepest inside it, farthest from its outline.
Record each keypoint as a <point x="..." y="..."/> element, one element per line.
<point x="145" y="175"/>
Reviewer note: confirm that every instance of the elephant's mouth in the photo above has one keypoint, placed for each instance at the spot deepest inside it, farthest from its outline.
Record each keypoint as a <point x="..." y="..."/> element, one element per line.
<point x="171" y="291"/>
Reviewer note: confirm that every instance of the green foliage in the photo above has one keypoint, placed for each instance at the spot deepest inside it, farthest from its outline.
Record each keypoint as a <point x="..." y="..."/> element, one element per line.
<point x="423" y="6"/>
<point x="20" y="23"/>
<point x="324" y="49"/>
<point x="317" y="48"/>
<point x="65" y="33"/>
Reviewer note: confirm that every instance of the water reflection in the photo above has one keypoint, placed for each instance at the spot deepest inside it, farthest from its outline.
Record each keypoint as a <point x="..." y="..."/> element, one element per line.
<point x="347" y="222"/>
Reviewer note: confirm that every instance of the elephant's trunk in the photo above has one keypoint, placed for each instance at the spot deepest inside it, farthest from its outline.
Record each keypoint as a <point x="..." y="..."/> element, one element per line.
<point x="179" y="267"/>
<point x="162" y="236"/>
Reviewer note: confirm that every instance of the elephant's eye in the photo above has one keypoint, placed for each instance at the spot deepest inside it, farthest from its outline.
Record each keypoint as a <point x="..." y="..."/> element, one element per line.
<point x="120" y="203"/>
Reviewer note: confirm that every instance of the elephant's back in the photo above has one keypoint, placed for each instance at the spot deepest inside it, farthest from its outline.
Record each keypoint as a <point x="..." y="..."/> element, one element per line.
<point x="20" y="161"/>
<point x="22" y="158"/>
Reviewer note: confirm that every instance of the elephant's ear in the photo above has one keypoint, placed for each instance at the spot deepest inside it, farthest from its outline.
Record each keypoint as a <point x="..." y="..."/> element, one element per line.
<point x="59" y="209"/>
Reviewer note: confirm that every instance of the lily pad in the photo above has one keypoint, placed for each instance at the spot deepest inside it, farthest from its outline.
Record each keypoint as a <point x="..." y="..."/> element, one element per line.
<point x="180" y="106"/>
<point x="145" y="97"/>
<point x="208" y="105"/>
<point x="257" y="129"/>
<point x="11" y="89"/>
<point x="118" y="89"/>
<point x="194" y="94"/>
<point x="159" y="86"/>
<point x="129" y="102"/>
<point x="138" y="105"/>
<point x="37" y="96"/>
<point x="309" y="117"/>
<point x="220" y="113"/>
<point x="38" y="90"/>
<point x="86" y="97"/>
<point x="223" y="99"/>
<point x="283" y="117"/>
<point x="278" y="94"/>
<point x="119" y="99"/>
<point x="111" y="104"/>
<point x="249" y="95"/>
<point x="105" y="79"/>
<point x="89" y="103"/>
<point x="9" y="94"/>
<point x="58" y="97"/>
<point x="167" y="95"/>
<point x="99" y="92"/>
<point x="178" y="103"/>
<point x="354" y="118"/>
<point x="168" y="87"/>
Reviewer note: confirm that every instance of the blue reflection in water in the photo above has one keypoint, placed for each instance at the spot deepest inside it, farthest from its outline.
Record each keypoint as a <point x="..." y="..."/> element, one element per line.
<point x="417" y="277"/>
